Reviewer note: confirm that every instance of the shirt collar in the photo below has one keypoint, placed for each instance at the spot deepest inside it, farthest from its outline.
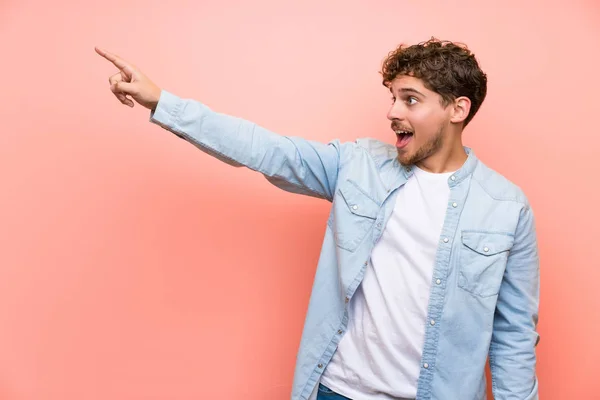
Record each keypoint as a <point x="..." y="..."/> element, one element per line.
<point x="463" y="172"/>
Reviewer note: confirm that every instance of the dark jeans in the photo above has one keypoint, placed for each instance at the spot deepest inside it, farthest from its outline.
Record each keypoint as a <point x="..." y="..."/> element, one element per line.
<point x="327" y="394"/>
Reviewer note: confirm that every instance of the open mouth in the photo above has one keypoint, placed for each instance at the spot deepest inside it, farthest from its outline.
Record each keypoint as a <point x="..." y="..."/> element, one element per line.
<point x="404" y="138"/>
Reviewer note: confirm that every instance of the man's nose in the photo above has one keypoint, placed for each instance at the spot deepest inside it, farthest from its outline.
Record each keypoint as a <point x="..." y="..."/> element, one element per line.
<point x="396" y="112"/>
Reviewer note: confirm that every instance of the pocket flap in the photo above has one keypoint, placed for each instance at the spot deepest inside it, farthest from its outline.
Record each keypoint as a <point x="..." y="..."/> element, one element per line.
<point x="487" y="243"/>
<point x="358" y="202"/>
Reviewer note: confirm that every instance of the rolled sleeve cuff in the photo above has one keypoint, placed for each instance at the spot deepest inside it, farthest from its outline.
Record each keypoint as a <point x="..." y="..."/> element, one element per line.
<point x="167" y="110"/>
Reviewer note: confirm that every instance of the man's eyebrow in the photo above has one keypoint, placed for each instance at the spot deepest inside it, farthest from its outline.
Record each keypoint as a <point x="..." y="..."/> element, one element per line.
<point x="411" y="90"/>
<point x="408" y="90"/>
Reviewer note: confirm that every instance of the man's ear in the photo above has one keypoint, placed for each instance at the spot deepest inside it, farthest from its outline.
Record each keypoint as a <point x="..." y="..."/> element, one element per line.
<point x="460" y="109"/>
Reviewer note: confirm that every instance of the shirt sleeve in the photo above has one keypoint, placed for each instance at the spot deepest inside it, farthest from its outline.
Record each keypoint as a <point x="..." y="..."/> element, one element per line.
<point x="291" y="163"/>
<point x="514" y="338"/>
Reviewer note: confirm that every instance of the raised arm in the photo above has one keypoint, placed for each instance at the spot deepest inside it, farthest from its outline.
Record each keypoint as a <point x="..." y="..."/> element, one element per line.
<point x="291" y="163"/>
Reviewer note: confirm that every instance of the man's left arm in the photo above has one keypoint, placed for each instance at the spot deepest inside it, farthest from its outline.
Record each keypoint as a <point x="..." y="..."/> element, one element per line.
<point x="514" y="338"/>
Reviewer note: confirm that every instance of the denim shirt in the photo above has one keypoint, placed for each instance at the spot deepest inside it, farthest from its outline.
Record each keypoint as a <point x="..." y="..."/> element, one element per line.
<point x="485" y="288"/>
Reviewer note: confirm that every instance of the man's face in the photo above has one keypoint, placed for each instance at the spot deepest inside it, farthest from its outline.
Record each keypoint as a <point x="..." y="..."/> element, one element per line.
<point x="418" y="118"/>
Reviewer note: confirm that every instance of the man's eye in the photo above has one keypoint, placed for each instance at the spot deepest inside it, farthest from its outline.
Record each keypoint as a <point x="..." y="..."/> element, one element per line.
<point x="411" y="100"/>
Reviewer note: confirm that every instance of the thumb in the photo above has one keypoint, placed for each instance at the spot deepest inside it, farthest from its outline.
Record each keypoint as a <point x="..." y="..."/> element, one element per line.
<point x="125" y="87"/>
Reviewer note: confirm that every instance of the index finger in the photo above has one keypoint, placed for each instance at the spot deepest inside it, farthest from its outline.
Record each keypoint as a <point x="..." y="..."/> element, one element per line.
<point x="117" y="61"/>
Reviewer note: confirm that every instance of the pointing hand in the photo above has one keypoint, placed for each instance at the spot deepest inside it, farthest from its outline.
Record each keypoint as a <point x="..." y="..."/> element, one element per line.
<point x="130" y="83"/>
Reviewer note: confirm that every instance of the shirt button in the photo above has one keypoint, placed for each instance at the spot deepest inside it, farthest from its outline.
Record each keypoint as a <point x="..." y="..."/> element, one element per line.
<point x="320" y="365"/>
<point x="346" y="300"/>
<point x="438" y="281"/>
<point x="424" y="365"/>
<point x="366" y="263"/>
<point x="446" y="240"/>
<point x="486" y="249"/>
<point x="453" y="177"/>
<point x="340" y="331"/>
<point x="407" y="169"/>
<point x="355" y="207"/>
<point x="454" y="205"/>
<point x="432" y="322"/>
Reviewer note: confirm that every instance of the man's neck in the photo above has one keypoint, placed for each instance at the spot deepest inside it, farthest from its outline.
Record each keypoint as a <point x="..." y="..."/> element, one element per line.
<point x="445" y="160"/>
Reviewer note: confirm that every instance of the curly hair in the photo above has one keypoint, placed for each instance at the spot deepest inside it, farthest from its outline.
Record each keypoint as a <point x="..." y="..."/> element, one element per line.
<point x="447" y="68"/>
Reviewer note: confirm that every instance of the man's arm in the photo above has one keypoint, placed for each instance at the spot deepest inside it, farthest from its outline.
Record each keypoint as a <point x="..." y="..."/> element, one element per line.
<point x="514" y="337"/>
<point x="291" y="163"/>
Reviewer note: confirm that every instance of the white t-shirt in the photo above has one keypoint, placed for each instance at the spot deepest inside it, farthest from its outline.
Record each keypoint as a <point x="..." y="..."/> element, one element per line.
<point x="379" y="356"/>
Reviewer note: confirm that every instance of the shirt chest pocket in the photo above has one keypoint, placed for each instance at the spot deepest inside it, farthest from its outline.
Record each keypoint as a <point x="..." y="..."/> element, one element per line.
<point x="482" y="261"/>
<point x="354" y="214"/>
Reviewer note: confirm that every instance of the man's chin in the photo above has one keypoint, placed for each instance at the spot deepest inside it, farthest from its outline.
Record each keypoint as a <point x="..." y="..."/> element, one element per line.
<point x="405" y="160"/>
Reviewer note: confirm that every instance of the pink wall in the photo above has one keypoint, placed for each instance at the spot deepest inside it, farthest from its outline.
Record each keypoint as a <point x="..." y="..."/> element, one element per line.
<point x="132" y="266"/>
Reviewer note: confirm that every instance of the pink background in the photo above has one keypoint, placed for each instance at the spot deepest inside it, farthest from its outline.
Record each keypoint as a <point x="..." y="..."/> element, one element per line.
<point x="133" y="266"/>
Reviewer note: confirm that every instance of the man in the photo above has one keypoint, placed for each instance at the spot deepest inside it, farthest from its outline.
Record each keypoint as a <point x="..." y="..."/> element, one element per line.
<point x="429" y="262"/>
